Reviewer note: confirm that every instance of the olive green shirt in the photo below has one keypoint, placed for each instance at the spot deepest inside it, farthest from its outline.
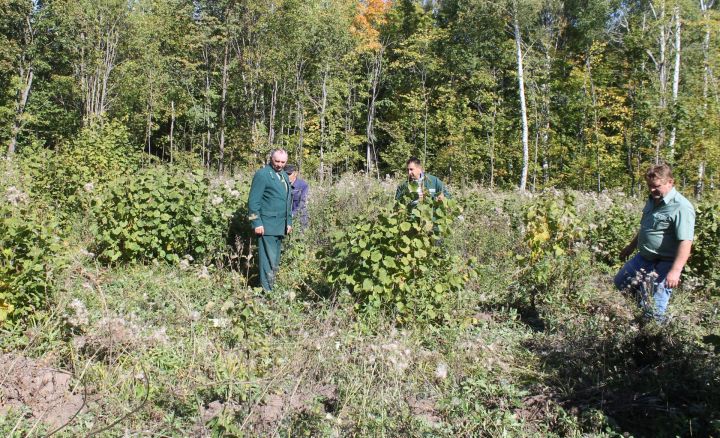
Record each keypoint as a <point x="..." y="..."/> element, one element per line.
<point x="663" y="226"/>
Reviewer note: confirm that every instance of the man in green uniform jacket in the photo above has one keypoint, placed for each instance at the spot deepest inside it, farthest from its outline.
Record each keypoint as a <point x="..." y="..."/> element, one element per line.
<point x="269" y="213"/>
<point x="419" y="185"/>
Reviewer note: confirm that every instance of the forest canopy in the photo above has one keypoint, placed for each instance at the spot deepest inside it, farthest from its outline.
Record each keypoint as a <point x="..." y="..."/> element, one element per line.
<point x="579" y="94"/>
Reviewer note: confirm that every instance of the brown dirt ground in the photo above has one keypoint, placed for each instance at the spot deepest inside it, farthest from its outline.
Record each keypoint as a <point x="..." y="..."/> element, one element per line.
<point x="45" y="391"/>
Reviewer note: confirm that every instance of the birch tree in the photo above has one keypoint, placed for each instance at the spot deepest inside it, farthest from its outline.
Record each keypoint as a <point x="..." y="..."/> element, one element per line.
<point x="521" y="93"/>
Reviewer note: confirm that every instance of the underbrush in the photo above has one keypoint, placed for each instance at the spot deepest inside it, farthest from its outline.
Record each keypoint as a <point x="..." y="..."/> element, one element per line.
<point x="172" y="339"/>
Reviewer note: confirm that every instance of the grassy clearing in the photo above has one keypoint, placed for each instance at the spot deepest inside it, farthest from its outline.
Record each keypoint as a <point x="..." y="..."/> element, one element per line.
<point x="193" y="350"/>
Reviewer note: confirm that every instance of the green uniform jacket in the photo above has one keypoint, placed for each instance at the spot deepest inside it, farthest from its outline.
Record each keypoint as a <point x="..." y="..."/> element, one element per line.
<point x="270" y="201"/>
<point x="431" y="185"/>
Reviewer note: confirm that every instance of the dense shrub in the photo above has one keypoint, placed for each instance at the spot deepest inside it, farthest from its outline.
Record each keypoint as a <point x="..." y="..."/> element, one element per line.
<point x="28" y="256"/>
<point x="610" y="232"/>
<point x="65" y="178"/>
<point x="160" y="213"/>
<point x="704" y="258"/>
<point x="396" y="262"/>
<point x="554" y="237"/>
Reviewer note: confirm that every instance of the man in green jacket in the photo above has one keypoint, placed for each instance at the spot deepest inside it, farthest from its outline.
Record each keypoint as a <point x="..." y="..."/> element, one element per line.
<point x="420" y="185"/>
<point x="269" y="213"/>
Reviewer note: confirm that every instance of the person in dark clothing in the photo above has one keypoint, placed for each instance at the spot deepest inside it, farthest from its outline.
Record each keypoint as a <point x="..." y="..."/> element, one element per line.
<point x="300" y="192"/>
<point x="269" y="214"/>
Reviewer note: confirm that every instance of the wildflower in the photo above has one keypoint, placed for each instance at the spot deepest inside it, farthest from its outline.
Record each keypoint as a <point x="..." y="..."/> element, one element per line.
<point x="89" y="187"/>
<point x="217" y="200"/>
<point x="194" y="315"/>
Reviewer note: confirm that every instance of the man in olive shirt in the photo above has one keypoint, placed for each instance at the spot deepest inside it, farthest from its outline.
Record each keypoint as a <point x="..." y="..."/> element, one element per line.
<point x="269" y="214"/>
<point x="420" y="185"/>
<point x="663" y="242"/>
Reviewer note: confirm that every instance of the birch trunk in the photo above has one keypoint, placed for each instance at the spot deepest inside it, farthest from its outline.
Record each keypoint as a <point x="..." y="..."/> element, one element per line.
<point x="172" y="131"/>
<point x="370" y="129"/>
<point x="521" y="92"/>
<point x="705" y="6"/>
<point x="676" y="78"/>
<point x="661" y="67"/>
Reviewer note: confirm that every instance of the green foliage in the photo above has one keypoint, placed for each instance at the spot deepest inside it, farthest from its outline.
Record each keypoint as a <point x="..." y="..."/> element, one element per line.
<point x="100" y="154"/>
<point x="704" y="259"/>
<point x="302" y="269"/>
<point x="397" y="262"/>
<point x="610" y="232"/>
<point x="159" y="213"/>
<point x="29" y="249"/>
<point x="553" y="235"/>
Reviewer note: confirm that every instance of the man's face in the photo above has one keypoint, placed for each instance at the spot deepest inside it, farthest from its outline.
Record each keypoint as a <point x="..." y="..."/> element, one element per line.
<point x="659" y="187"/>
<point x="293" y="176"/>
<point x="278" y="161"/>
<point x="414" y="171"/>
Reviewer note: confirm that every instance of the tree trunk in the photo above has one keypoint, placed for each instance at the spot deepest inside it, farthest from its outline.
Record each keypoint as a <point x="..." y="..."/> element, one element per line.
<point x="95" y="66"/>
<point x="300" y="110"/>
<point x="172" y="130"/>
<point x="20" y="110"/>
<point x="676" y="80"/>
<point x="426" y="112"/>
<point x="370" y="129"/>
<point x="521" y="92"/>
<point x="223" y="106"/>
<point x="705" y="6"/>
<point x="323" y="134"/>
<point x="273" y="113"/>
<point x="661" y="67"/>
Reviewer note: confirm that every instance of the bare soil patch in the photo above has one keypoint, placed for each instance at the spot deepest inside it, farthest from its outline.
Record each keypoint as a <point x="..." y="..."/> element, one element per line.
<point x="45" y="391"/>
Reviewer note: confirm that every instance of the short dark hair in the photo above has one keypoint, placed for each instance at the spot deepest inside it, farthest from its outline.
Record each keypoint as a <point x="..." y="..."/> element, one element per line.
<point x="659" y="171"/>
<point x="414" y="160"/>
<point x="290" y="168"/>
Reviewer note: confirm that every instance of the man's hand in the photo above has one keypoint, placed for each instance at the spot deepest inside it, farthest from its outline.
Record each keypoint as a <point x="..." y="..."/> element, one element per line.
<point x="260" y="230"/>
<point x="626" y="252"/>
<point x="673" y="279"/>
<point x="289" y="229"/>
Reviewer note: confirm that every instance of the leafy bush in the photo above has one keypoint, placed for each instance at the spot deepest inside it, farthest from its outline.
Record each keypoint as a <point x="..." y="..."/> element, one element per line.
<point x="28" y="257"/>
<point x="703" y="261"/>
<point x="554" y="237"/>
<point x="396" y="261"/>
<point x="610" y="233"/>
<point x="100" y="154"/>
<point x="160" y="213"/>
